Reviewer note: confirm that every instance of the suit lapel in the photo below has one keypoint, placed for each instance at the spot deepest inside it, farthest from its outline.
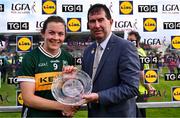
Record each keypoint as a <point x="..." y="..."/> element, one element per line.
<point x="107" y="51"/>
<point x="91" y="59"/>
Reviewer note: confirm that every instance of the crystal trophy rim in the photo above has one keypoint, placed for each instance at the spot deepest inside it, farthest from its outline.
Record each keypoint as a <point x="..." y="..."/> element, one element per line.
<point x="68" y="88"/>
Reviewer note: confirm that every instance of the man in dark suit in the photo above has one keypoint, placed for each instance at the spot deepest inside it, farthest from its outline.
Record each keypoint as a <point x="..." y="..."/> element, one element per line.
<point x="116" y="75"/>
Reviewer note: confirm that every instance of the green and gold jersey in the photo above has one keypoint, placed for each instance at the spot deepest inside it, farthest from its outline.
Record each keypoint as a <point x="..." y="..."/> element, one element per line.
<point x="40" y="67"/>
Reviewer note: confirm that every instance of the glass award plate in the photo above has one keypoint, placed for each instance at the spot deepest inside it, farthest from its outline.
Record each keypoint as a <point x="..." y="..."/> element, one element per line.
<point x="68" y="88"/>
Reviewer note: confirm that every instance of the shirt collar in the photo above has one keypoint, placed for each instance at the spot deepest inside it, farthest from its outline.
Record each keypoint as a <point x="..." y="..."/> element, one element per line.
<point x="49" y="54"/>
<point x="104" y="43"/>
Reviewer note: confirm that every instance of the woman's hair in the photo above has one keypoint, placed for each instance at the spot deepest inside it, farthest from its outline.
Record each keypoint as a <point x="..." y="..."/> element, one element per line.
<point x="52" y="19"/>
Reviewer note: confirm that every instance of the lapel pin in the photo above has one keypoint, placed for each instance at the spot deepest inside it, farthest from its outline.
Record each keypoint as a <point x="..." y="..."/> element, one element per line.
<point x="92" y="52"/>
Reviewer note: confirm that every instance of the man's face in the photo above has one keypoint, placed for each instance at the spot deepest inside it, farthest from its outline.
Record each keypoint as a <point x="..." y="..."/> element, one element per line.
<point x="54" y="36"/>
<point x="99" y="25"/>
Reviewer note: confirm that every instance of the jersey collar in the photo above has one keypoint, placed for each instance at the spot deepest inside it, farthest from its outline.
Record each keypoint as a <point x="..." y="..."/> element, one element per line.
<point x="47" y="53"/>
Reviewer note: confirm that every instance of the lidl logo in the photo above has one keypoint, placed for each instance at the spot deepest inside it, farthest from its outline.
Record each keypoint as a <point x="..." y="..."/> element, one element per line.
<point x="175" y="91"/>
<point x="126" y="7"/>
<point x="175" y="42"/>
<point x="151" y="76"/>
<point x="73" y="24"/>
<point x="150" y="24"/>
<point x="49" y="7"/>
<point x="19" y="100"/>
<point x="24" y="43"/>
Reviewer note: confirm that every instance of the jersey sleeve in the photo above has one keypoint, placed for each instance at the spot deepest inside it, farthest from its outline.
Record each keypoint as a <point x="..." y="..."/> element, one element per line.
<point x="27" y="69"/>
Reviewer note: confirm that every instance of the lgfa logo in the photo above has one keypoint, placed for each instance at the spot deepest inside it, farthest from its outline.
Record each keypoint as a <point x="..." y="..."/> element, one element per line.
<point x="24" y="43"/>
<point x="73" y="24"/>
<point x="49" y="7"/>
<point x="175" y="91"/>
<point x="175" y="42"/>
<point x="126" y="7"/>
<point x="150" y="24"/>
<point x="151" y="76"/>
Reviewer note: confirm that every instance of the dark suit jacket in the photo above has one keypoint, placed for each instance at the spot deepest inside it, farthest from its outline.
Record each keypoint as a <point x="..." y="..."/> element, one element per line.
<point x="116" y="80"/>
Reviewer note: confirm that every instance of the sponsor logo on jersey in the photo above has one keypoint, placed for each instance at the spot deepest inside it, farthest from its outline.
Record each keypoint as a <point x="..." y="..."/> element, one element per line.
<point x="151" y="76"/>
<point x="175" y="42"/>
<point x="126" y="7"/>
<point x="175" y="93"/>
<point x="44" y="80"/>
<point x="74" y="24"/>
<point x="24" y="43"/>
<point x="150" y="24"/>
<point x="49" y="7"/>
<point x="55" y="61"/>
<point x="42" y="64"/>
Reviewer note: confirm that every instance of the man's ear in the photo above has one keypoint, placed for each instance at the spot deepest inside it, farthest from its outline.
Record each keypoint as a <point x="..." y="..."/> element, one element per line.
<point x="111" y="21"/>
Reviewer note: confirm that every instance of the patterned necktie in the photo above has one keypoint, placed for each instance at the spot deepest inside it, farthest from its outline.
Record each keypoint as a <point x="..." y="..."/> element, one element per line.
<point x="97" y="57"/>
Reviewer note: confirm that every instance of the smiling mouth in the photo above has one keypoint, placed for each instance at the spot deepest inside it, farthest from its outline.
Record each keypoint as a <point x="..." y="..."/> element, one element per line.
<point x="54" y="41"/>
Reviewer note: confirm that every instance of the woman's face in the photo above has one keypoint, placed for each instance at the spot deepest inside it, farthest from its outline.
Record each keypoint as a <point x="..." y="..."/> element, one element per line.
<point x="54" y="36"/>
